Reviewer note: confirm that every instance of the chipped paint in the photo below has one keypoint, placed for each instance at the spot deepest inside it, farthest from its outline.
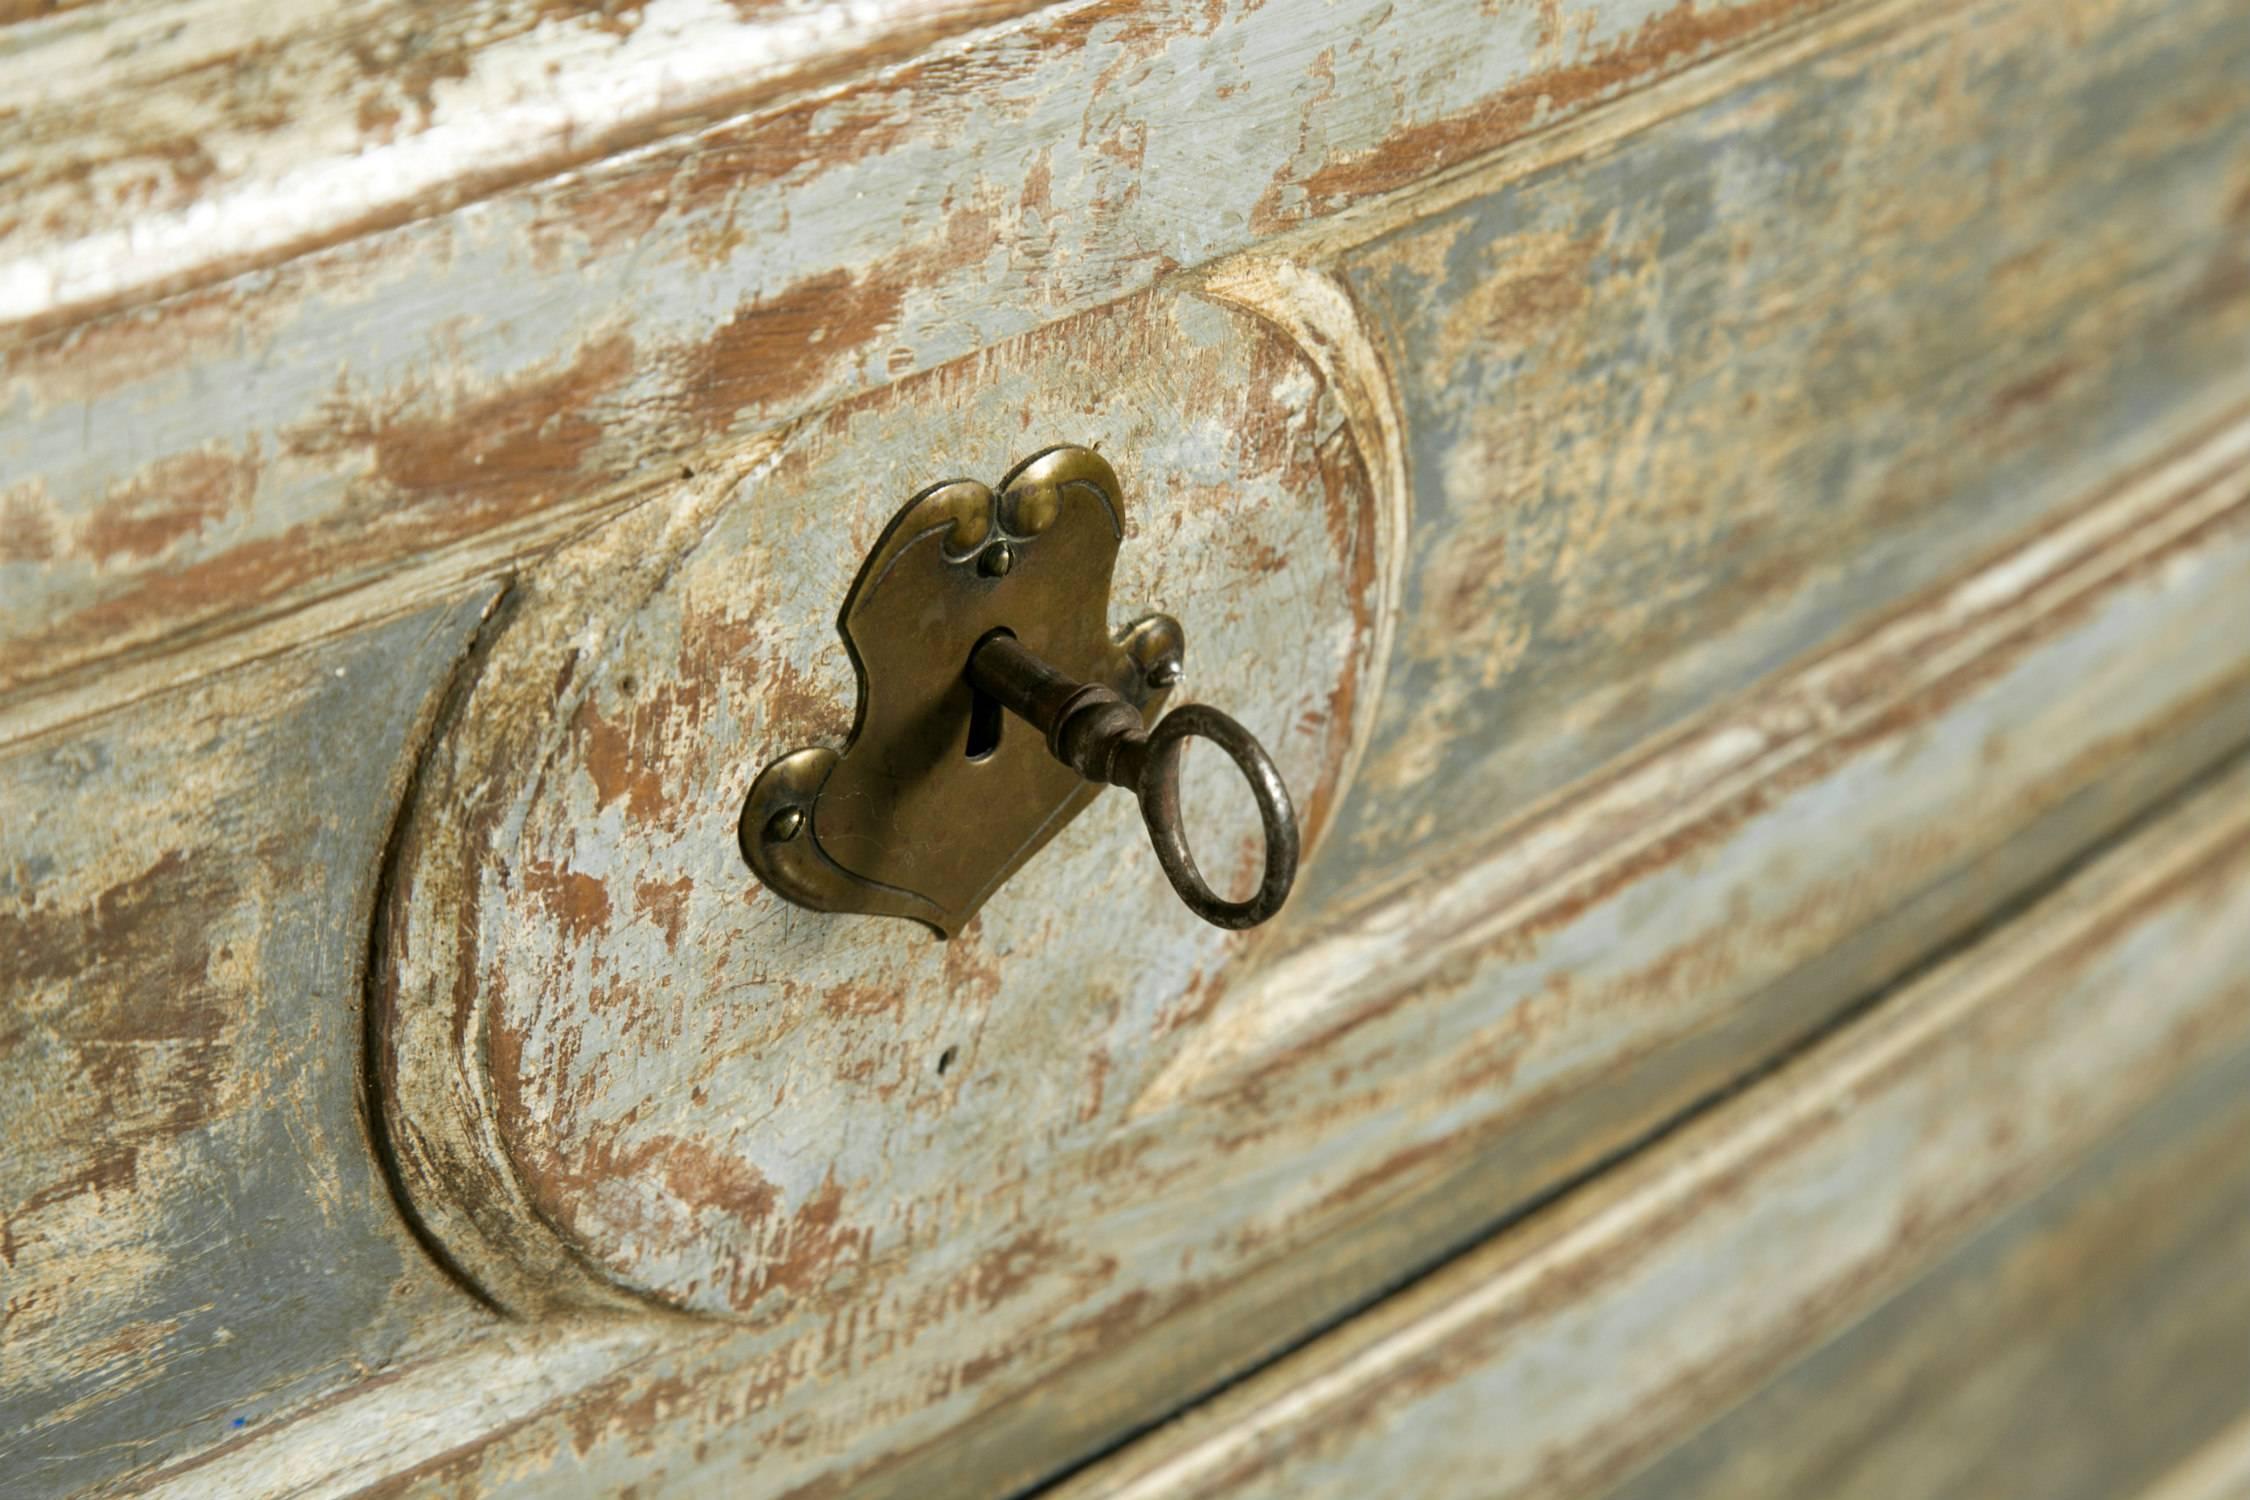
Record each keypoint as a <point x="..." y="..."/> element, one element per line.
<point x="179" y="1054"/>
<point x="616" y="1057"/>
<point x="1728" y="503"/>
<point x="1614" y="1326"/>
<point x="762" y="267"/>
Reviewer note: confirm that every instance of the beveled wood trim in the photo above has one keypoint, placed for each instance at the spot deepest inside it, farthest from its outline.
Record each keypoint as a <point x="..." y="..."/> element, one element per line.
<point x="2141" y="577"/>
<point x="155" y="148"/>
<point x="1612" y="1324"/>
<point x="399" y="385"/>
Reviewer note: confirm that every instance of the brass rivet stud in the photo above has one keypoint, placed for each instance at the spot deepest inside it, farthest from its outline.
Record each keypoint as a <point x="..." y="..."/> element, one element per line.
<point x="1166" y="672"/>
<point x="997" y="560"/>
<point x="785" y="825"/>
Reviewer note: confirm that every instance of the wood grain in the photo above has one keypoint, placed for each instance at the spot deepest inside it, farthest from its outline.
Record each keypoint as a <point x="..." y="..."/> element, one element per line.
<point x="193" y="1233"/>
<point x="154" y="147"/>
<point x="2088" y="1342"/>
<point x="235" y="135"/>
<point x="680" y="1084"/>
<point x="1615" y="1323"/>
<point x="1680" y="403"/>
<point x="1809" y="507"/>
<point x="1513" y="1024"/>
<point x="258" y="444"/>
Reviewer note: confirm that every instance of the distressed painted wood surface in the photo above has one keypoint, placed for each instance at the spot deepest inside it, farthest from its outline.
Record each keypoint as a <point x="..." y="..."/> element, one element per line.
<point x="193" y="1233"/>
<point x="154" y="145"/>
<point x="1675" y="404"/>
<point x="772" y="1237"/>
<point x="1512" y="1022"/>
<point x="686" y="1086"/>
<point x="2094" y="1342"/>
<point x="1723" y="680"/>
<point x="257" y="444"/>
<point x="234" y="136"/>
<point x="1959" y="752"/>
<point x="2086" y="1068"/>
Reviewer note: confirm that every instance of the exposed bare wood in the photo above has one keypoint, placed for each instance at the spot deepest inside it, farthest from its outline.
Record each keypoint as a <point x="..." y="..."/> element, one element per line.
<point x="361" y="404"/>
<point x="1613" y="1324"/>
<point x="1680" y="399"/>
<point x="974" y="1357"/>
<point x="153" y="147"/>
<point x="2073" y="1347"/>
<point x="1665" y="800"/>
<point x="193" y="1234"/>
<point x="644" y="676"/>
<point x="1710" y="500"/>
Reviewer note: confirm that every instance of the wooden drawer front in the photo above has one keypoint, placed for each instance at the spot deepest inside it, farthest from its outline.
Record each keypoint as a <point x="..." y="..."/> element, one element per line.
<point x="1741" y="380"/>
<point x="400" y="383"/>
<point x="1706" y="516"/>
<point x="1985" y="1241"/>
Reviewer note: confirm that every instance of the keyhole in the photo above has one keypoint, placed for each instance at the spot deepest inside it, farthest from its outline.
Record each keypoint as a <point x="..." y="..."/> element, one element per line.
<point x="985" y="714"/>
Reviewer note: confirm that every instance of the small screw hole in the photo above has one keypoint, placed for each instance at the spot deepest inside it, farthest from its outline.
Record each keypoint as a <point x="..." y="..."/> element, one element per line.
<point x="945" y="1060"/>
<point x="627" y="684"/>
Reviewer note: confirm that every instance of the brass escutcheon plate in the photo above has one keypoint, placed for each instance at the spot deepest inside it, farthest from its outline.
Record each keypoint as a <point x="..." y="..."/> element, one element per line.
<point x="938" y="797"/>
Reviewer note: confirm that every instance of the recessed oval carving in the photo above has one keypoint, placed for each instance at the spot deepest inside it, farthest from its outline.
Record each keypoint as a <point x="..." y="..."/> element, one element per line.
<point x="613" y="1067"/>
